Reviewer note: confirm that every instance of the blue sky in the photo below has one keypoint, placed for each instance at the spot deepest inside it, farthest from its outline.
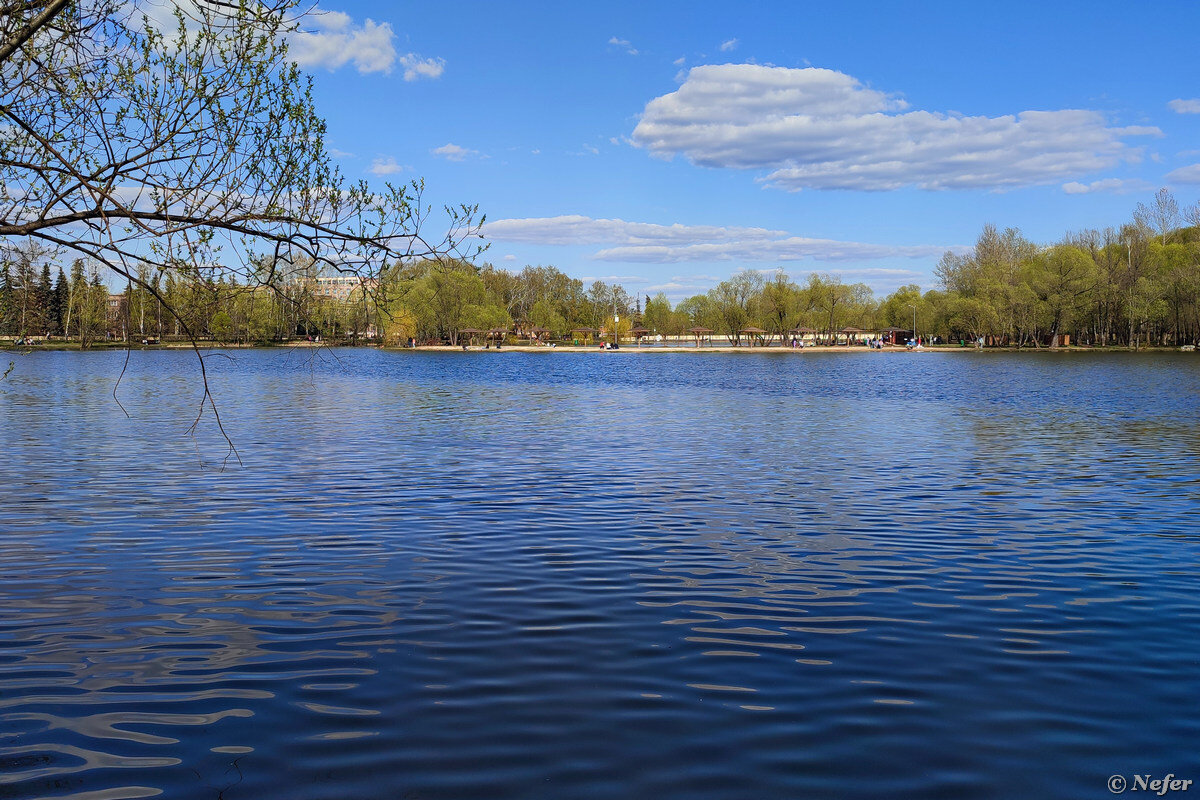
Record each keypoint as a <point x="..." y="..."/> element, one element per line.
<point x="668" y="145"/>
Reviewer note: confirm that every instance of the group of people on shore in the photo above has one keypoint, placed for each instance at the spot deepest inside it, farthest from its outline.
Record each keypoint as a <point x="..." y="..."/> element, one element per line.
<point x="874" y="343"/>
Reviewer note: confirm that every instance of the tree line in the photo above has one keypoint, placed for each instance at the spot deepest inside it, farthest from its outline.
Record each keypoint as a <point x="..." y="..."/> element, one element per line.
<point x="1137" y="285"/>
<point x="33" y="303"/>
<point x="1134" y="285"/>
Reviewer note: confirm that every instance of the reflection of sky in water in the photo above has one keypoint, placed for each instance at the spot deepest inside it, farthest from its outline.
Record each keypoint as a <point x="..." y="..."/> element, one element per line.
<point x="597" y="576"/>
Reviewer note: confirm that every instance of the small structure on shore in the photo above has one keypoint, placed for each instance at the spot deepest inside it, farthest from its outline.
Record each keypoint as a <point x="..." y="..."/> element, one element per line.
<point x="894" y="335"/>
<point x="756" y="335"/>
<point x="471" y="333"/>
<point x="852" y="334"/>
<point x="638" y="332"/>
<point x="588" y="333"/>
<point x="699" y="332"/>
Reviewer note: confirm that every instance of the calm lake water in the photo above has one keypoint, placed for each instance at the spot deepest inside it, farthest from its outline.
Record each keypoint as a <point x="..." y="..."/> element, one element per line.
<point x="485" y="575"/>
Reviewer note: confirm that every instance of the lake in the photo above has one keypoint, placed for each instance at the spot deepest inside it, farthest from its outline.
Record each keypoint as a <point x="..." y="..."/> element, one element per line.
<point x="601" y="575"/>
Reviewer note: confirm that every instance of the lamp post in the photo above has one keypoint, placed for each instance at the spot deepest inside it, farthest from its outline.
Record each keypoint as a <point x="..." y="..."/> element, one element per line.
<point x="914" y="308"/>
<point x="616" y="317"/>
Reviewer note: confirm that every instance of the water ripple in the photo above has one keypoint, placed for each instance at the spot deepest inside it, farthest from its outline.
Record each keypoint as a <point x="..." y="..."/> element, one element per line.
<point x="505" y="575"/>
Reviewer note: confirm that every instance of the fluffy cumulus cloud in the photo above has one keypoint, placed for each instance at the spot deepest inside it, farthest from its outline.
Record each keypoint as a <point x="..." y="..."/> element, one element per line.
<point x="385" y="166"/>
<point x="331" y="39"/>
<point x="1181" y="106"/>
<point x="453" y="152"/>
<point x="820" y="129"/>
<point x="642" y="242"/>
<point x="416" y="67"/>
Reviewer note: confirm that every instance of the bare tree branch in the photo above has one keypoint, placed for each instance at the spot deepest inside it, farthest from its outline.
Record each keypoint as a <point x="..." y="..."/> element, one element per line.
<point x="24" y="33"/>
<point x="190" y="147"/>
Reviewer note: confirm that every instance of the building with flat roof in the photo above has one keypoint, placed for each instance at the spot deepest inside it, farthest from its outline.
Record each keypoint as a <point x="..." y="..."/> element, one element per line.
<point x="341" y="287"/>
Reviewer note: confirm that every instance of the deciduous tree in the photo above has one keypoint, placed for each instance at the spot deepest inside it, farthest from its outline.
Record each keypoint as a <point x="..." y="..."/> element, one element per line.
<point x="191" y="145"/>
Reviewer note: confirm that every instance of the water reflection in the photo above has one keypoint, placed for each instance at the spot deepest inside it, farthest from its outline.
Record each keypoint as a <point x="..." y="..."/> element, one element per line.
<point x="511" y="576"/>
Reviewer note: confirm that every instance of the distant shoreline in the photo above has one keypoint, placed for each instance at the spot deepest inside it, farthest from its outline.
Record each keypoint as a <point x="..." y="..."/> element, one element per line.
<point x="745" y="350"/>
<point x="10" y="347"/>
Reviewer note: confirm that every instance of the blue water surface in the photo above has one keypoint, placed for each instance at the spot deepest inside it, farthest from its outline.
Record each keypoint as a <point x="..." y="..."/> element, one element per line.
<point x="601" y="575"/>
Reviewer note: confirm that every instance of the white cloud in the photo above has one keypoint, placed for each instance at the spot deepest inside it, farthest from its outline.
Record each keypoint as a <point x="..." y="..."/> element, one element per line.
<point x="452" y="152"/>
<point x="728" y="44"/>
<point x="792" y="248"/>
<point x="881" y="280"/>
<point x="629" y="48"/>
<point x="679" y="286"/>
<point x="820" y="129"/>
<point x="510" y="257"/>
<point x="334" y="40"/>
<point x="643" y="242"/>
<point x="326" y="39"/>
<point x="1189" y="174"/>
<point x="416" y="67"/>
<point x="1181" y="106"/>
<point x="333" y="151"/>
<point x="385" y="166"/>
<point x="575" y="230"/>
<point x="1114" y="185"/>
<point x="679" y="62"/>
<point x="615" y="279"/>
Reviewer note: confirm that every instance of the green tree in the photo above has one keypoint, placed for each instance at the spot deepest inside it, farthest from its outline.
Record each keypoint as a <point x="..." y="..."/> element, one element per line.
<point x="830" y="297"/>
<point x="221" y="327"/>
<point x="123" y="141"/>
<point x="657" y="316"/>
<point x="972" y="316"/>
<point x="208" y="123"/>
<point x="58" y="303"/>
<point x="731" y="302"/>
<point x="544" y="314"/>
<point x="908" y="306"/>
<point x="1063" y="278"/>
<point x="447" y="295"/>
<point x="87" y="309"/>
<point x="7" y="299"/>
<point x="780" y="305"/>
<point x="696" y="312"/>
<point x="29" y="287"/>
<point x="487" y="317"/>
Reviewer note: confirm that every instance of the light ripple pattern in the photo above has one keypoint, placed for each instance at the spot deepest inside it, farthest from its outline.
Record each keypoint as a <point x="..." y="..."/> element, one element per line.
<point x="683" y="576"/>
